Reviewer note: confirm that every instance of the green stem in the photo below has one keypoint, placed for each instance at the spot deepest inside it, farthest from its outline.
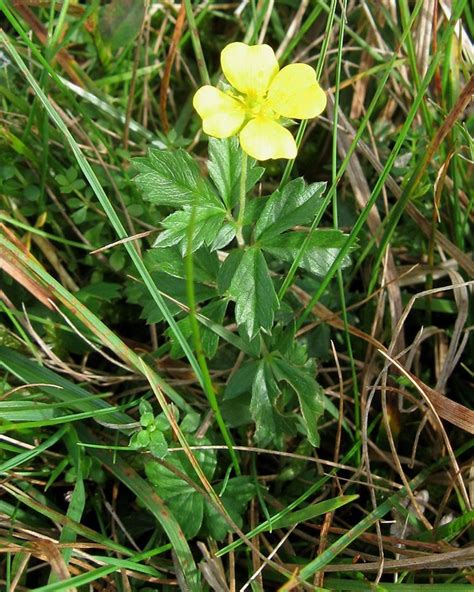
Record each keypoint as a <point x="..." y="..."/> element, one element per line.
<point x="243" y="195"/>
<point x="201" y="358"/>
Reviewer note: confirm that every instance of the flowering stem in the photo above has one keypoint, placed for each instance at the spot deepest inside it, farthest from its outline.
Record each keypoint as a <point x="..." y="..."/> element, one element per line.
<point x="243" y="195"/>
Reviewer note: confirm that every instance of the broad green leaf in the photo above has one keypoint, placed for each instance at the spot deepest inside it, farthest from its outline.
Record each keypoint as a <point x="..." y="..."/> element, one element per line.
<point x="297" y="203"/>
<point x="254" y="294"/>
<point x="310" y="394"/>
<point x="184" y="501"/>
<point x="225" y="167"/>
<point x="173" y="179"/>
<point x="237" y="494"/>
<point x="120" y="22"/>
<point x="206" y="226"/>
<point x="323" y="248"/>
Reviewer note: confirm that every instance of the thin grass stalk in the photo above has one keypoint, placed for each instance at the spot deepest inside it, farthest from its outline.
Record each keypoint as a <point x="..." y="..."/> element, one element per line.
<point x="335" y="213"/>
<point x="196" y="41"/>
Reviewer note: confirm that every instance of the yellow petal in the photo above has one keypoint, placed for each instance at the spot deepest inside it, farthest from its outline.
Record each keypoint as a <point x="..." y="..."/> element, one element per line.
<point x="263" y="138"/>
<point x="249" y="68"/>
<point x="222" y="116"/>
<point x="295" y="92"/>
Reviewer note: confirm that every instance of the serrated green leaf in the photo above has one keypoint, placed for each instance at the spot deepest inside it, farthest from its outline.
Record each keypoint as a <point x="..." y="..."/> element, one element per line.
<point x="264" y="393"/>
<point x="310" y="394"/>
<point x="254" y="294"/>
<point x="120" y="22"/>
<point x="297" y="203"/>
<point x="225" y="166"/>
<point x="185" y="503"/>
<point x="173" y="179"/>
<point x="207" y="223"/>
<point x="323" y="248"/>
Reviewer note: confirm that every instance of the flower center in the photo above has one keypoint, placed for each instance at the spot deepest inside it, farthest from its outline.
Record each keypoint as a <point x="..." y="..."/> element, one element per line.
<point x="258" y="107"/>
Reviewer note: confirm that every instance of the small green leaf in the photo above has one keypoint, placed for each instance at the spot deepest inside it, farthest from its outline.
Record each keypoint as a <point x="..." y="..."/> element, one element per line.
<point x="173" y="179"/>
<point x="254" y="294"/>
<point x="142" y="439"/>
<point x="225" y="166"/>
<point x="310" y="395"/>
<point x="323" y="248"/>
<point x="120" y="22"/>
<point x="297" y="203"/>
<point x="147" y="419"/>
<point x="144" y="407"/>
<point x="158" y="444"/>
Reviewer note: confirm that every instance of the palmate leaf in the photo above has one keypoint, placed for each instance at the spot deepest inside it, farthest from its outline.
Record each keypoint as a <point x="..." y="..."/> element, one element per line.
<point x="324" y="246"/>
<point x="295" y="204"/>
<point x="255" y="297"/>
<point x="225" y="168"/>
<point x="173" y="179"/>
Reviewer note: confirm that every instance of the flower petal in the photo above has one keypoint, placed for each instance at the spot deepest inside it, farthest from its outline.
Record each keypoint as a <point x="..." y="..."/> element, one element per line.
<point x="222" y="116"/>
<point x="249" y="68"/>
<point x="295" y="92"/>
<point x="264" y="138"/>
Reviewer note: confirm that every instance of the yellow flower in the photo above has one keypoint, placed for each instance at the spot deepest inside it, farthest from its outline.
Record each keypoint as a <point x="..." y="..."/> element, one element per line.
<point x="262" y="94"/>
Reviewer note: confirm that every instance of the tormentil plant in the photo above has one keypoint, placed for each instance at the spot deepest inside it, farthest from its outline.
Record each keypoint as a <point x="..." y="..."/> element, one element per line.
<point x="242" y="245"/>
<point x="262" y="96"/>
